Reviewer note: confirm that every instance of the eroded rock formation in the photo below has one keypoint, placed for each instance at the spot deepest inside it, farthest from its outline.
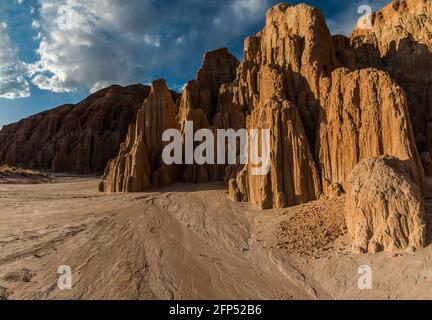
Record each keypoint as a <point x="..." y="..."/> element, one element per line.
<point x="278" y="84"/>
<point x="203" y="104"/>
<point x="323" y="118"/>
<point x="325" y="100"/>
<point x="293" y="177"/>
<point x="344" y="116"/>
<point x="78" y="138"/>
<point x="399" y="42"/>
<point x="384" y="208"/>
<point x="363" y="114"/>
<point x="297" y="44"/>
<point x="139" y="165"/>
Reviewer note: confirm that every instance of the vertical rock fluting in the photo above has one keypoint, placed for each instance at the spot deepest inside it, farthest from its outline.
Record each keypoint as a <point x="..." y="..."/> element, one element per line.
<point x="139" y="166"/>
<point x="399" y="42"/>
<point x="293" y="177"/>
<point x="323" y="119"/>
<point x="296" y="42"/>
<point x="344" y="117"/>
<point x="203" y="104"/>
<point x="384" y="208"/>
<point x="364" y="114"/>
<point x="278" y="84"/>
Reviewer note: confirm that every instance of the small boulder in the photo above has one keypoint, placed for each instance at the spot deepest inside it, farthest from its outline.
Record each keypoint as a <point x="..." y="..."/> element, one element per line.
<point x="384" y="208"/>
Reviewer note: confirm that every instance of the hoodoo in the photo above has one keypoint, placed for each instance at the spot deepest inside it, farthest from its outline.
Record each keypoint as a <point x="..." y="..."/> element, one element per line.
<point x="324" y="117"/>
<point x="326" y="102"/>
<point x="139" y="166"/>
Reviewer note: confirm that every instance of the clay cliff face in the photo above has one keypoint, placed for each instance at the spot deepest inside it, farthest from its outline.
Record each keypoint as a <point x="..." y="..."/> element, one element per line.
<point x="78" y="138"/>
<point x="139" y="166"/>
<point x="363" y="114"/>
<point x="325" y="100"/>
<point x="293" y="176"/>
<point x="278" y="84"/>
<point x="344" y="116"/>
<point x="297" y="44"/>
<point x="399" y="42"/>
<point x="203" y="104"/>
<point x="323" y="118"/>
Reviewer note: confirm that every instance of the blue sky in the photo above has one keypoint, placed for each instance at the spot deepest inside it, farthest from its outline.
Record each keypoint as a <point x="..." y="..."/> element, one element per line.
<point x="54" y="52"/>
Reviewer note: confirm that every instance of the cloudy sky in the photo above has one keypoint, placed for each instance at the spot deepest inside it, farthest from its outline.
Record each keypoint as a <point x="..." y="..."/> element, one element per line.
<point x="54" y="52"/>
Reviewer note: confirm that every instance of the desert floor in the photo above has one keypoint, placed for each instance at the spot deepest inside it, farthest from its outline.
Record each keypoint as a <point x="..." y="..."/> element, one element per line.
<point x="187" y="242"/>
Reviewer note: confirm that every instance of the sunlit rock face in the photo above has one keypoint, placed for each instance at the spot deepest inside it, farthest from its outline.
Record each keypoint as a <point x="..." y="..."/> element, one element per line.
<point x="399" y="41"/>
<point x="338" y="116"/>
<point x="364" y="114"/>
<point x="139" y="165"/>
<point x="325" y="112"/>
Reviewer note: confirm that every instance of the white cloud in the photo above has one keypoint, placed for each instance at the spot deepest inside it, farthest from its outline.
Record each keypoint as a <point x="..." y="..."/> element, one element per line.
<point x="239" y="15"/>
<point x="87" y="44"/>
<point x="180" y="39"/>
<point x="90" y="44"/>
<point x="99" y="85"/>
<point x="35" y="24"/>
<point x="248" y="9"/>
<point x="13" y="84"/>
<point x="153" y="41"/>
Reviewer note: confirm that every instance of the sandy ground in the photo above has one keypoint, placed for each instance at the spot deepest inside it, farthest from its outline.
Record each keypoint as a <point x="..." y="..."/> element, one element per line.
<point x="19" y="178"/>
<point x="327" y="262"/>
<point x="185" y="242"/>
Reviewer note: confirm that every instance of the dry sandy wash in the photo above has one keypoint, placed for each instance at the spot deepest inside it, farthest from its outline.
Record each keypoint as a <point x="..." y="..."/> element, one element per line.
<point x="186" y="242"/>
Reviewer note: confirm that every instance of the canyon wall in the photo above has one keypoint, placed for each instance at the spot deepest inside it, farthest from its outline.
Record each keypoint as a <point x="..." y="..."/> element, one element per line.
<point x="399" y="42"/>
<point x="329" y="103"/>
<point x="326" y="112"/>
<point x="339" y="116"/>
<point x="78" y="138"/>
